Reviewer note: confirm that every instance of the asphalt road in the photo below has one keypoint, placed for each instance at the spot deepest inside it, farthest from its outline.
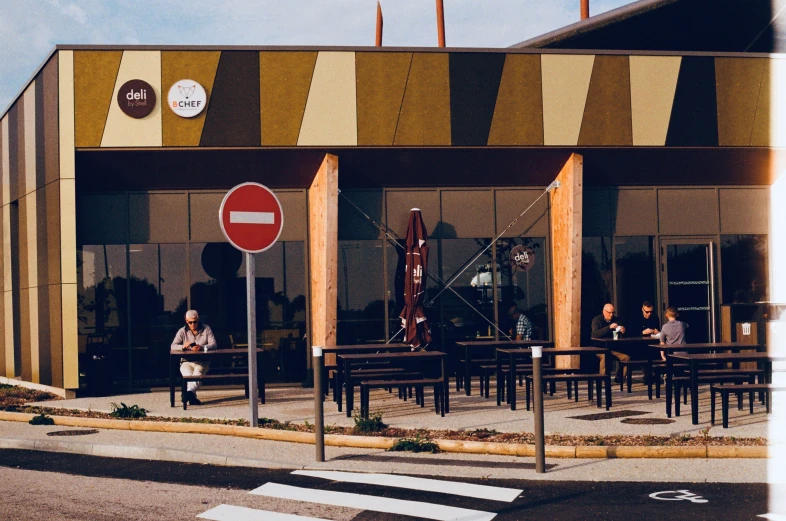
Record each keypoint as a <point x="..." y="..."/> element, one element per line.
<point x="54" y="486"/>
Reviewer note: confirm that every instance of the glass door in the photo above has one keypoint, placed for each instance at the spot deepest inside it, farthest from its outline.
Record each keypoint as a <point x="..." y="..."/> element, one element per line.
<point x="688" y="283"/>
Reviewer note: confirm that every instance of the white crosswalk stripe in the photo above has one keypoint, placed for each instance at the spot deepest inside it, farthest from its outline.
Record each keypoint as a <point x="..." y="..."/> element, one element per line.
<point x="420" y="484"/>
<point x="373" y="503"/>
<point x="233" y="513"/>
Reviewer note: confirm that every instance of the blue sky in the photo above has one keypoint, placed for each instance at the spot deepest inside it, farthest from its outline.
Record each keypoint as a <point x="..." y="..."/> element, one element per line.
<point x="29" y="29"/>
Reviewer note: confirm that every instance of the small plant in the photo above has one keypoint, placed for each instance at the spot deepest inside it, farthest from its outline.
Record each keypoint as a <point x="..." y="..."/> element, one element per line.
<point x="308" y="425"/>
<point x="416" y="444"/>
<point x="683" y="436"/>
<point x="125" y="411"/>
<point x="368" y="425"/>
<point x="41" y="419"/>
<point x="705" y="433"/>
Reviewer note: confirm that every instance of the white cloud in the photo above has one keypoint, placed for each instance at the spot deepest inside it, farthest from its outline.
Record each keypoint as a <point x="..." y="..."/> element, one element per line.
<point x="29" y="29"/>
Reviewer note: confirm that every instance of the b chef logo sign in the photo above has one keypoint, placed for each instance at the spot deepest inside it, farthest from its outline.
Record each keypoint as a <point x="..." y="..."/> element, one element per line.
<point x="522" y="258"/>
<point x="136" y="98"/>
<point x="187" y="98"/>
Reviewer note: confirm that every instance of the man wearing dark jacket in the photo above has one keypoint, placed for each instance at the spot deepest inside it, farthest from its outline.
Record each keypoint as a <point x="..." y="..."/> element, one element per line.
<point x="604" y="326"/>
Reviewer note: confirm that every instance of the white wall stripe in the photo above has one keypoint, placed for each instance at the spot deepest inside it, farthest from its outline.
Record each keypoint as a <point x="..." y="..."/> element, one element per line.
<point x="233" y="513"/>
<point x="428" y="485"/>
<point x="252" y="217"/>
<point x="374" y="503"/>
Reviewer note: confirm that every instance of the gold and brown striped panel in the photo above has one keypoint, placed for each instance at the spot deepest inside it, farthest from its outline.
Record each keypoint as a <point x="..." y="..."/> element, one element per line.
<point x="5" y="188"/>
<point x="607" y="117"/>
<point x="769" y="130"/>
<point x="66" y="114"/>
<point x="27" y="178"/>
<point x="381" y="79"/>
<point x="653" y="81"/>
<point x="199" y="66"/>
<point x="55" y="340"/>
<point x="738" y="83"/>
<point x="566" y="80"/>
<point x="284" y="82"/>
<point x="44" y="354"/>
<point x="518" y="114"/>
<point x="95" y="73"/>
<point x="26" y="362"/>
<point x="425" y="111"/>
<point x="49" y="112"/>
<point x="3" y="311"/>
<point x="330" y="117"/>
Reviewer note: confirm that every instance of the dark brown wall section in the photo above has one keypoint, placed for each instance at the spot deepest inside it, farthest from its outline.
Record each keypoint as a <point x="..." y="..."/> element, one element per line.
<point x="50" y="107"/>
<point x="14" y="142"/>
<point x="607" y="114"/>
<point x="694" y="115"/>
<point x="474" y="84"/>
<point x="233" y="114"/>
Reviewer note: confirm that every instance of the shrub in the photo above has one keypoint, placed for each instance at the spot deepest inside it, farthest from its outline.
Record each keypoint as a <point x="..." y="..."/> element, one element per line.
<point x="416" y="444"/>
<point x="125" y="411"/>
<point x="368" y="425"/>
<point x="41" y="419"/>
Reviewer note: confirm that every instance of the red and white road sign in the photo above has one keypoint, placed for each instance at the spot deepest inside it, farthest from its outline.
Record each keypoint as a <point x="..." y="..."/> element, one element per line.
<point x="251" y="217"/>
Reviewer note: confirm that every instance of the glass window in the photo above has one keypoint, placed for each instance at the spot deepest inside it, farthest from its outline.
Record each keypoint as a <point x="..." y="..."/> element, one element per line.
<point x="596" y="287"/>
<point x="744" y="268"/>
<point x="635" y="282"/>
<point x="361" y="308"/>
<point x="471" y="314"/>
<point x="523" y="288"/>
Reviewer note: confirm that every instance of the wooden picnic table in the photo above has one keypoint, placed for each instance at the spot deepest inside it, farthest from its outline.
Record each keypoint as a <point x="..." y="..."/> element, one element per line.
<point x="669" y="350"/>
<point x="697" y="359"/>
<point x="395" y="359"/>
<point x="489" y="346"/>
<point x="354" y="349"/>
<point x="175" y="357"/>
<point x="515" y="354"/>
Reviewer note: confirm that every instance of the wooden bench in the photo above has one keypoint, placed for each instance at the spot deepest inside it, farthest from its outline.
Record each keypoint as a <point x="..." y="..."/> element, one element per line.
<point x="738" y="389"/>
<point x="218" y="376"/>
<point x="417" y="383"/>
<point x="714" y="376"/>
<point x="575" y="378"/>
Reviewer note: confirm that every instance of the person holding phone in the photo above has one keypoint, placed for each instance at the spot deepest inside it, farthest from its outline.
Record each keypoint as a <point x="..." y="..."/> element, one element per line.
<point x="193" y="337"/>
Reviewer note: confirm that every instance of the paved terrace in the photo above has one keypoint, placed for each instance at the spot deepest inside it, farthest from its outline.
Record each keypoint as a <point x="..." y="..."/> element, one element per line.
<point x="562" y="416"/>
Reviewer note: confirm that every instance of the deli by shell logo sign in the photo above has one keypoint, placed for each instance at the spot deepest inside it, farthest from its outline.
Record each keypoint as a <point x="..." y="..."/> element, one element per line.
<point x="187" y="98"/>
<point x="136" y="98"/>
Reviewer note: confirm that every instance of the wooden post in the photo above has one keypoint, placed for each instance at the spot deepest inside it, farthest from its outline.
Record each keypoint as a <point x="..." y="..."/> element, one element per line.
<point x="566" y="234"/>
<point x="323" y="253"/>
<point x="379" y="25"/>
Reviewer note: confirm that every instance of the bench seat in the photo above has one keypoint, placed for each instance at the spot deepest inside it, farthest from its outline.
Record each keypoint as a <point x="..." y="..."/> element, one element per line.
<point x="597" y="378"/>
<point x="750" y="388"/>
<point x="212" y="377"/>
<point x="402" y="383"/>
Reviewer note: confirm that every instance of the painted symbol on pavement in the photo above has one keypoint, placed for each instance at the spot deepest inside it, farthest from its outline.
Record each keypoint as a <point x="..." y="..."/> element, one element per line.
<point x="678" y="495"/>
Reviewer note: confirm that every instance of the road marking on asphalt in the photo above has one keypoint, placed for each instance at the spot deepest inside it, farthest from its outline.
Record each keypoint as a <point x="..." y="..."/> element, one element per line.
<point x="773" y="517"/>
<point x="374" y="503"/>
<point x="252" y="218"/>
<point x="679" y="495"/>
<point x="422" y="484"/>
<point x="233" y="513"/>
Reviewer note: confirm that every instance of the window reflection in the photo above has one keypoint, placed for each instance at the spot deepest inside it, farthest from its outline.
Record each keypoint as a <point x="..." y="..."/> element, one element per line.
<point x="524" y="287"/>
<point x="596" y="289"/>
<point x="361" y="308"/>
<point x="744" y="268"/>
<point x="635" y="276"/>
<point x="459" y="318"/>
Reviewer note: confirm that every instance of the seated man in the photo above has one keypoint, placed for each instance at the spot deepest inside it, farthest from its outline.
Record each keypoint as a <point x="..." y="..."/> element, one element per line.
<point x="523" y="325"/>
<point x="603" y="326"/>
<point x="649" y="323"/>
<point x="193" y="337"/>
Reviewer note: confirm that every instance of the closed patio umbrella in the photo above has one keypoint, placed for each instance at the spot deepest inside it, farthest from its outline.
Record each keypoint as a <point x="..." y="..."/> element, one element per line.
<point x="413" y="320"/>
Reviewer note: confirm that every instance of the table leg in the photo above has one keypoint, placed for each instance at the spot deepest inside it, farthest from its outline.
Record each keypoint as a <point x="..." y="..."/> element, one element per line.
<point x="669" y="371"/>
<point x="512" y="382"/>
<point x="694" y="392"/>
<point x="467" y="370"/>
<point x="606" y="359"/>
<point x="500" y="386"/>
<point x="350" y="392"/>
<point x="650" y="377"/>
<point x="172" y="368"/>
<point x="338" y="391"/>
<point x="445" y="387"/>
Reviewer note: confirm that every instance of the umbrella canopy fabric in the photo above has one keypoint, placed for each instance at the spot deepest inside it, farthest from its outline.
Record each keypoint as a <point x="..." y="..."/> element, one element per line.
<point x="413" y="320"/>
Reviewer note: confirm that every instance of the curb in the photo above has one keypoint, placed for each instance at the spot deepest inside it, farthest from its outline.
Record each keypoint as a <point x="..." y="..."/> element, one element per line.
<point x="376" y="442"/>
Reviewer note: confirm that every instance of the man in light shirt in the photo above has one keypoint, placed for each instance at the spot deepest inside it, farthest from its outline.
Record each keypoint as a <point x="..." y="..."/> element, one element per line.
<point x="193" y="337"/>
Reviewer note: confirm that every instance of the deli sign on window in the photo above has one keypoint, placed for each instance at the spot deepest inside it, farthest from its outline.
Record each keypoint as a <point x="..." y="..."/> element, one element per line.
<point x="187" y="98"/>
<point x="136" y="98"/>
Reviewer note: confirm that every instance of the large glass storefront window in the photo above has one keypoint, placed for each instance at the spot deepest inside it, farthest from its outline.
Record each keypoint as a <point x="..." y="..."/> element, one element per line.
<point x="361" y="305"/>
<point x="744" y="268"/>
<point x="596" y="281"/>
<point x="636" y="277"/>
<point x="523" y="288"/>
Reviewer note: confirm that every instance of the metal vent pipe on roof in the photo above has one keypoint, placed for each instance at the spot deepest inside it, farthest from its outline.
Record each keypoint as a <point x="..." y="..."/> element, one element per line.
<point x="379" y="25"/>
<point x="440" y="24"/>
<point x="584" y="9"/>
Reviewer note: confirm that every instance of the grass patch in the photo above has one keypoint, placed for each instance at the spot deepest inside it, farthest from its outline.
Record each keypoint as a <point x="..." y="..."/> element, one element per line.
<point x="416" y="444"/>
<point x="368" y="425"/>
<point x="125" y="411"/>
<point x="41" y="419"/>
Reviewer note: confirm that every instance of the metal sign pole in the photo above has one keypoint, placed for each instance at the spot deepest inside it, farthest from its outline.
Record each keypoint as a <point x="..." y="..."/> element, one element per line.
<point x="319" y="416"/>
<point x="251" y="307"/>
<point x="537" y="384"/>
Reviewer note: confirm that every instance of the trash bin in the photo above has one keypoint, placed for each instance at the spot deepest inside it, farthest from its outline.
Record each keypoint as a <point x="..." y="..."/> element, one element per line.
<point x="99" y="369"/>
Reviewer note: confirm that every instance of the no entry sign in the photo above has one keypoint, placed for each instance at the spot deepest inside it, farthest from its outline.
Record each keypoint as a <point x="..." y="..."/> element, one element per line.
<point x="251" y="217"/>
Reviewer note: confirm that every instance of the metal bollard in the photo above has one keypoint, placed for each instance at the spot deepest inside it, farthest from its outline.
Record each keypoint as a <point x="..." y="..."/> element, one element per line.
<point x="319" y="417"/>
<point x="537" y="385"/>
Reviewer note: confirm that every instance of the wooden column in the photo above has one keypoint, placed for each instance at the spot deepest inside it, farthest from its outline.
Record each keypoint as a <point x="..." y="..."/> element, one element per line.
<point x="566" y="215"/>
<point x="323" y="253"/>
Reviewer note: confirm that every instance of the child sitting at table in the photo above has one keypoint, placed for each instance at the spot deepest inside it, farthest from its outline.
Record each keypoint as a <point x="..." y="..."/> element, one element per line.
<point x="673" y="331"/>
